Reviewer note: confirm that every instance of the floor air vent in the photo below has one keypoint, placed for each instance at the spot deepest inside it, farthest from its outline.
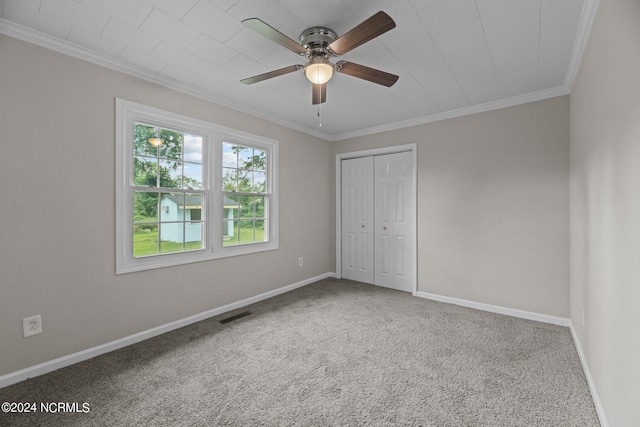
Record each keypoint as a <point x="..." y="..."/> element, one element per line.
<point x="236" y="317"/>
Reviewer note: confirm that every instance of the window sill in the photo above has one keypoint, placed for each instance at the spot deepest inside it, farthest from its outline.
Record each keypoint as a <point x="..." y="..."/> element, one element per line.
<point x="171" y="260"/>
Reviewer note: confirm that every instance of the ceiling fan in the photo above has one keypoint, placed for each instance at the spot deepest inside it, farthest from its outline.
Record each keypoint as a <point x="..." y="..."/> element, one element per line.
<point x="319" y="44"/>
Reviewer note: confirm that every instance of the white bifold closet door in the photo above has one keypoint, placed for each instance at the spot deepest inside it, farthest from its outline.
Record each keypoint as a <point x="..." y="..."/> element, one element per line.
<point x="378" y="220"/>
<point x="357" y="219"/>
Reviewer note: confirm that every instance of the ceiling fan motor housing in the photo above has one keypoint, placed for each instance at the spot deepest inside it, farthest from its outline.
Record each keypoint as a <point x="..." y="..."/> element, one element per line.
<point x="317" y="40"/>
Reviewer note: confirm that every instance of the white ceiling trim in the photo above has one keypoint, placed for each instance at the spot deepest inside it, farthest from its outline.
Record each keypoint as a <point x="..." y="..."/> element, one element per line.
<point x="587" y="17"/>
<point x="584" y="29"/>
<point x="41" y="39"/>
<point x="474" y="109"/>
<point x="586" y="20"/>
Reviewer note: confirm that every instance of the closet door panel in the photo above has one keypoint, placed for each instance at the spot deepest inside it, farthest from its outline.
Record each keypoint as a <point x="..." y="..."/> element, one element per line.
<point x="394" y="213"/>
<point x="357" y="219"/>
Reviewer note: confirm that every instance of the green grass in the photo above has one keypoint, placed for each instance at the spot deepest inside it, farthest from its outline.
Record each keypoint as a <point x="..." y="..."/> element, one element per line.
<point x="246" y="236"/>
<point x="146" y="243"/>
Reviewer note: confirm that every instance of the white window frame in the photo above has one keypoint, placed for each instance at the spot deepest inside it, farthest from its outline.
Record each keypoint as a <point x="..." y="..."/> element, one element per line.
<point x="128" y="113"/>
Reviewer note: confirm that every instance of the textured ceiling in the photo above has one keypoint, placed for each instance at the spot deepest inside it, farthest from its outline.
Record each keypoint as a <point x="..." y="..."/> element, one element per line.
<point x="453" y="57"/>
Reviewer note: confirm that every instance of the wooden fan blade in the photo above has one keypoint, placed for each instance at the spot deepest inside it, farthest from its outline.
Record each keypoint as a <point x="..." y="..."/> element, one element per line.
<point x="378" y="24"/>
<point x="271" y="74"/>
<point x="274" y="35"/>
<point x="318" y="94"/>
<point x="366" y="73"/>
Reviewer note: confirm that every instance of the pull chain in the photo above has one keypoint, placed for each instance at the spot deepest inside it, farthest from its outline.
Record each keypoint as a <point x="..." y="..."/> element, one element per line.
<point x="319" y="100"/>
<point x="319" y="106"/>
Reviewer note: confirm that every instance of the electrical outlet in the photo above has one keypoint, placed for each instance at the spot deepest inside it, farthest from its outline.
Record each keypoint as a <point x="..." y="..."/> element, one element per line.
<point x="31" y="326"/>
<point x="300" y="262"/>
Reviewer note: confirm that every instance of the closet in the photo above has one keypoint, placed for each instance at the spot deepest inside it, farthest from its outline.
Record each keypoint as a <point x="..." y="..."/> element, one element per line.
<point x="378" y="223"/>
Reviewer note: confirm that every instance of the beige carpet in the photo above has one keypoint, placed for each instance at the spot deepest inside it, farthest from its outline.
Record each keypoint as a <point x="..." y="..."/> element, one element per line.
<point x="332" y="353"/>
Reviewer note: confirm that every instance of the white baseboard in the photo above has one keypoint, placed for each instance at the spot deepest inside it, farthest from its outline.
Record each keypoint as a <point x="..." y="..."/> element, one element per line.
<point x="497" y="309"/>
<point x="61" y="362"/>
<point x="587" y="373"/>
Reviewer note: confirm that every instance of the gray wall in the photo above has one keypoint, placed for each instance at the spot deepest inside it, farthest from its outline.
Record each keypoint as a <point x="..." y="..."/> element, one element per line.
<point x="492" y="209"/>
<point x="605" y="208"/>
<point x="493" y="205"/>
<point x="57" y="222"/>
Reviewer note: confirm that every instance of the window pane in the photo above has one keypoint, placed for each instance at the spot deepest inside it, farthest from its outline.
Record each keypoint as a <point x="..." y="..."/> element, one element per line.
<point x="145" y="240"/>
<point x="176" y="237"/>
<point x="261" y="236"/>
<point x="244" y="181"/>
<point x="259" y="180"/>
<point x="246" y="206"/>
<point x="171" y="237"/>
<point x="246" y="231"/>
<point x="145" y="206"/>
<point x="229" y="156"/>
<point x="229" y="179"/>
<point x="230" y="233"/>
<point x="145" y="172"/>
<point x="172" y="207"/>
<point x="141" y="135"/>
<point x="230" y="211"/>
<point x="171" y="147"/>
<point x="193" y="203"/>
<point x="193" y="236"/>
<point x="192" y="148"/>
<point x="145" y="227"/>
<point x="259" y="160"/>
<point x="245" y="155"/>
<point x="231" y="202"/>
<point x="259" y="207"/>
<point x="170" y="174"/>
<point x="175" y="234"/>
<point x="192" y="179"/>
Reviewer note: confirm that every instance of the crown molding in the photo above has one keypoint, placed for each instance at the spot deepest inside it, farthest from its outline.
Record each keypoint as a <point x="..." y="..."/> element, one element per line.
<point x="587" y="17"/>
<point x="67" y="48"/>
<point x="589" y="10"/>
<point x="474" y="109"/>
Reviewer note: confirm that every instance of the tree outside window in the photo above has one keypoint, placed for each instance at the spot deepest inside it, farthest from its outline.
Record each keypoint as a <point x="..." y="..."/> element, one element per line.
<point x="166" y="216"/>
<point x="244" y="185"/>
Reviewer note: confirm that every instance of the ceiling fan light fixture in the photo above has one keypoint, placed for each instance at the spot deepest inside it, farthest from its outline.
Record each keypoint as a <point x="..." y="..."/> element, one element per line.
<point x="319" y="70"/>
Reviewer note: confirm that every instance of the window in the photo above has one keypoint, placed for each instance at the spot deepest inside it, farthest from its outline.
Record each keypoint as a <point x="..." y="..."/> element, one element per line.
<point x="167" y="177"/>
<point x="190" y="190"/>
<point x="244" y="172"/>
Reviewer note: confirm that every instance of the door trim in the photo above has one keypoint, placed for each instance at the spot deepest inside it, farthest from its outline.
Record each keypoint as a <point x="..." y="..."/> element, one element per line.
<point x="413" y="148"/>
